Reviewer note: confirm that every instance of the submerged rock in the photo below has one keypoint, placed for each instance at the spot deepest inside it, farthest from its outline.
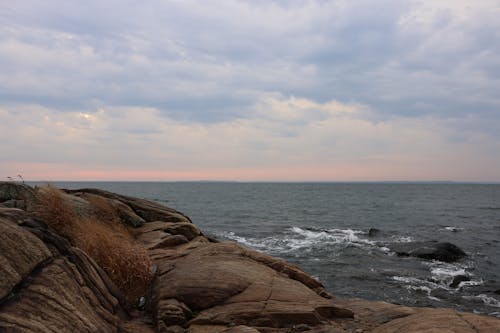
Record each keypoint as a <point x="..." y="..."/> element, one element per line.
<point x="432" y="250"/>
<point x="458" y="279"/>
<point x="372" y="232"/>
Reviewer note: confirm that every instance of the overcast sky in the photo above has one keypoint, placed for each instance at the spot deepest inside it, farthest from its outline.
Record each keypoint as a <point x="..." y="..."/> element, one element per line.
<point x="250" y="90"/>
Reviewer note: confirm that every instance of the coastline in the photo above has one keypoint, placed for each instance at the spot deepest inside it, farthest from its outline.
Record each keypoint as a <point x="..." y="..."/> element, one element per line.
<point x="199" y="284"/>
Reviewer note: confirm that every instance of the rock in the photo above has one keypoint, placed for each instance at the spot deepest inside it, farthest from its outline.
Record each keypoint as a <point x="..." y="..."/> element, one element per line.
<point x="153" y="236"/>
<point x="372" y="232"/>
<point x="42" y="288"/>
<point x="147" y="210"/>
<point x="126" y="214"/>
<point x="497" y="291"/>
<point x="440" y="320"/>
<point x="188" y="230"/>
<point x="432" y="250"/>
<point x="21" y="253"/>
<point x="226" y="286"/>
<point x="240" y="329"/>
<point x="172" y="312"/>
<point x="171" y="329"/>
<point x="171" y="241"/>
<point x="17" y="195"/>
<point x="458" y="279"/>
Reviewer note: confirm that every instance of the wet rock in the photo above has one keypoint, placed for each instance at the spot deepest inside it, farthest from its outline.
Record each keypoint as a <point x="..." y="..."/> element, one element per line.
<point x="458" y="279"/>
<point x="432" y="250"/>
<point x="372" y="232"/>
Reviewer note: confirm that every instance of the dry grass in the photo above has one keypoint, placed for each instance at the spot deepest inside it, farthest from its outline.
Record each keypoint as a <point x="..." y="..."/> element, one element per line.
<point x="56" y="210"/>
<point x="126" y="262"/>
<point x="107" y="241"/>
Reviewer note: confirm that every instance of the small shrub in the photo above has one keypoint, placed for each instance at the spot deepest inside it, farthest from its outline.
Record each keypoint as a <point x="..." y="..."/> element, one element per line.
<point x="107" y="241"/>
<point x="55" y="209"/>
<point x="126" y="262"/>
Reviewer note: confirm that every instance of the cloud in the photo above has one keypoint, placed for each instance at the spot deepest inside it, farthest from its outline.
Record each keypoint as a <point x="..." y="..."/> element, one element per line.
<point x="241" y="84"/>
<point x="299" y="139"/>
<point x="208" y="63"/>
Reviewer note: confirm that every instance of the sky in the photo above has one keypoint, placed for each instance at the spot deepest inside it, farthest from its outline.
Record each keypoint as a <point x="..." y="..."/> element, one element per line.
<point x="250" y="90"/>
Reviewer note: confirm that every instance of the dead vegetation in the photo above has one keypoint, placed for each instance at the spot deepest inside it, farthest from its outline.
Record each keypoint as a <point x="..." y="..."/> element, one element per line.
<point x="101" y="235"/>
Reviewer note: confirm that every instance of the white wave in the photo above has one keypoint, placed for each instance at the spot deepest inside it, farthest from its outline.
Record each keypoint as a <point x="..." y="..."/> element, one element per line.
<point x="453" y="229"/>
<point x="402" y="239"/>
<point x="495" y="314"/>
<point x="488" y="300"/>
<point x="412" y="282"/>
<point x="416" y="284"/>
<point x="445" y="273"/>
<point x="450" y="271"/>
<point x="296" y="238"/>
<point x="332" y="235"/>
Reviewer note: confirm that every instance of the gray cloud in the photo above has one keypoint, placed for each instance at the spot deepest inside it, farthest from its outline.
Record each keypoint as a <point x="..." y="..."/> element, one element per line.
<point x="209" y="65"/>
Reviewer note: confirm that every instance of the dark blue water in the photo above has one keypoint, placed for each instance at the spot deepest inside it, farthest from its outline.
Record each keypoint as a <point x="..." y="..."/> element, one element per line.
<point x="324" y="229"/>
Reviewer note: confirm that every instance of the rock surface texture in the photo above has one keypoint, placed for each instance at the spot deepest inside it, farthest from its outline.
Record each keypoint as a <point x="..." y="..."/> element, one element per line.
<point x="200" y="285"/>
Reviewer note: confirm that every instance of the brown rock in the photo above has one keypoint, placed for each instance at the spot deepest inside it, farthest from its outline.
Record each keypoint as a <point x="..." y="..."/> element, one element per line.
<point x="17" y="194"/>
<point x="172" y="312"/>
<point x="20" y="253"/>
<point x="189" y="230"/>
<point x="43" y="289"/>
<point x="171" y="241"/>
<point x="126" y="214"/>
<point x="55" y="300"/>
<point x="229" y="287"/>
<point x="240" y="329"/>
<point x="147" y="210"/>
<point x="159" y="239"/>
<point x="440" y="320"/>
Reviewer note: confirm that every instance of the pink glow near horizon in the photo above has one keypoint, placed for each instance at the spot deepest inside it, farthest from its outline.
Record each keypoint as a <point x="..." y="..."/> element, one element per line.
<point x="52" y="173"/>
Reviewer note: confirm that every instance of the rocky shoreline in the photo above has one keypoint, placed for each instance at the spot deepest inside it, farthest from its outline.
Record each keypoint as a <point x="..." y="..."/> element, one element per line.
<point x="198" y="283"/>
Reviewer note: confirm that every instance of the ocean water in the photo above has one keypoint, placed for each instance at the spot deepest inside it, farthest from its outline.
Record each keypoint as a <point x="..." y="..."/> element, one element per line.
<point x="323" y="227"/>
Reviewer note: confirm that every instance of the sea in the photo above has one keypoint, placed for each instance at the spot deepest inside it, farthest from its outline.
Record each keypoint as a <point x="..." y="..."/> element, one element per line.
<point x="324" y="228"/>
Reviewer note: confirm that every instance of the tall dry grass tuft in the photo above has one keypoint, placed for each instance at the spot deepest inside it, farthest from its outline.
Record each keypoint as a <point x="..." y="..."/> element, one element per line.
<point x="56" y="210"/>
<point x="111" y="246"/>
<point x="108" y="242"/>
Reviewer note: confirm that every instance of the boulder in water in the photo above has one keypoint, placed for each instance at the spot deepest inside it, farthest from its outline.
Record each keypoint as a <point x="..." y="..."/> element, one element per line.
<point x="458" y="279"/>
<point x="372" y="232"/>
<point x="432" y="250"/>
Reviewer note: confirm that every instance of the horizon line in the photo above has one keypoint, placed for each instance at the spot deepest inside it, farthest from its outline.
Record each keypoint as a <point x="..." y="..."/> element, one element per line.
<point x="267" y="181"/>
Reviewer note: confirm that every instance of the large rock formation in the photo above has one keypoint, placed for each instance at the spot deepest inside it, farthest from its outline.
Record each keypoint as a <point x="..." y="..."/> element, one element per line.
<point x="200" y="285"/>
